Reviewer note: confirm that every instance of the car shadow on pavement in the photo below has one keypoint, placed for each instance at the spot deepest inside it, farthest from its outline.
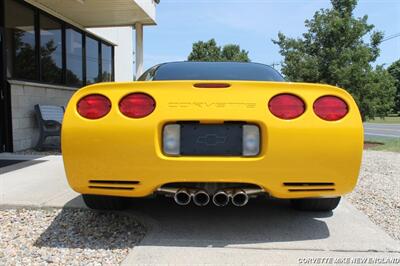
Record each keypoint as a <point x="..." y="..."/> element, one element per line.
<point x="260" y="221"/>
<point x="19" y="165"/>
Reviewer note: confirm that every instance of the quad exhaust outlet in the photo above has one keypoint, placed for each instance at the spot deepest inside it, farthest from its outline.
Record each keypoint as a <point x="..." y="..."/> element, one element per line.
<point x="200" y="197"/>
<point x="221" y="198"/>
<point x="240" y="198"/>
<point x="182" y="197"/>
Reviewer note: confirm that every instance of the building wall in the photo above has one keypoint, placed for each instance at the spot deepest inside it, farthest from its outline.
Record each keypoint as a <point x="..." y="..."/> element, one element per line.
<point x="123" y="38"/>
<point x="149" y="7"/>
<point x="24" y="96"/>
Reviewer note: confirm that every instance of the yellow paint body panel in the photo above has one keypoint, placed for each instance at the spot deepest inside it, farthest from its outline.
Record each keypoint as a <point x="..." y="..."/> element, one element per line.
<point x="305" y="149"/>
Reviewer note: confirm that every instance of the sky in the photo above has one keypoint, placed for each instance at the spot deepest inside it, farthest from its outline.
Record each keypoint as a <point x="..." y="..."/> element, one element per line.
<point x="252" y="24"/>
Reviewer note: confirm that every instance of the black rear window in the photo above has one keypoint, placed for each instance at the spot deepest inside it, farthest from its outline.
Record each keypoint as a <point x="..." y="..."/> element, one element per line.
<point x="212" y="71"/>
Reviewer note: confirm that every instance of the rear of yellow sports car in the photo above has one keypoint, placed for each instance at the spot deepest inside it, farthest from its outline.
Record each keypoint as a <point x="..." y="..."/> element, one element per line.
<point x="286" y="140"/>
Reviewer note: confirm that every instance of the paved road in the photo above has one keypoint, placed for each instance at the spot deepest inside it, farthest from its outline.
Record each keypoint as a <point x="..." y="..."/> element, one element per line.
<point x="382" y="130"/>
<point x="264" y="232"/>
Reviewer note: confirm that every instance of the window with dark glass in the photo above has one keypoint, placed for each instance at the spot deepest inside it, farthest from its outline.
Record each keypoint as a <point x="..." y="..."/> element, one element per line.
<point x="92" y="61"/>
<point x="50" y="50"/>
<point x="49" y="58"/>
<point x="106" y="62"/>
<point x="74" y="57"/>
<point x="20" y="44"/>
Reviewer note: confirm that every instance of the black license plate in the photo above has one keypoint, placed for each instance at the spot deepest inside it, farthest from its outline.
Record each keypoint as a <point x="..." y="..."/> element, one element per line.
<point x="213" y="140"/>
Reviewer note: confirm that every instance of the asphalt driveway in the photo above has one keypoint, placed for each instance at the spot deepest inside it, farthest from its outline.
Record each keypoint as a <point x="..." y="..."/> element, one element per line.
<point x="382" y="130"/>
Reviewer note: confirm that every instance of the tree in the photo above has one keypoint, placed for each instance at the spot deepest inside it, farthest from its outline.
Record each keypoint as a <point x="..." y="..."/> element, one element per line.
<point x="210" y="52"/>
<point x="232" y="52"/>
<point x="205" y="51"/>
<point x="394" y="70"/>
<point x="333" y="51"/>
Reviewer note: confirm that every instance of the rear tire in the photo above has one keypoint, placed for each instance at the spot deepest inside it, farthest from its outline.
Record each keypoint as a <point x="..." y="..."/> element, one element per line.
<point x="97" y="202"/>
<point x="315" y="204"/>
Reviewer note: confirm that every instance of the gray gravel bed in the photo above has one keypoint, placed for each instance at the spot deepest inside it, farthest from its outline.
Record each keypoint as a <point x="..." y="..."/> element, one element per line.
<point x="377" y="193"/>
<point x="66" y="237"/>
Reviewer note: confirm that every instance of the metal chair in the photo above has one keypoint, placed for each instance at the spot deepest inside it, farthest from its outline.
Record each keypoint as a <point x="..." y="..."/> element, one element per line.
<point x="49" y="119"/>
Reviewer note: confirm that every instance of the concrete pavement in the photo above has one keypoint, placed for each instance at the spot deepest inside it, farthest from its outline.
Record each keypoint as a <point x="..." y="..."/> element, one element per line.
<point x="39" y="182"/>
<point x="241" y="256"/>
<point x="382" y="130"/>
<point x="264" y="232"/>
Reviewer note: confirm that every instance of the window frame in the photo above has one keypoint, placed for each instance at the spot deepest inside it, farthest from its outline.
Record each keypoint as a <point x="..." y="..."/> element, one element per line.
<point x="37" y="12"/>
<point x="83" y="63"/>
<point x="13" y="56"/>
<point x="99" y="56"/>
<point x="63" y="43"/>
<point x="111" y="61"/>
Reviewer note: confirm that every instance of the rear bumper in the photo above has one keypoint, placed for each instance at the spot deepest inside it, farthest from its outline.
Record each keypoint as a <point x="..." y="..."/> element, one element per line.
<point x="131" y="162"/>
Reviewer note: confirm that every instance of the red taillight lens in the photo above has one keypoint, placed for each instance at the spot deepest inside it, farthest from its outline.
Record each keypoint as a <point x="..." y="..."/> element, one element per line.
<point x="286" y="106"/>
<point x="94" y="106"/>
<point x="330" y="108"/>
<point x="137" y="105"/>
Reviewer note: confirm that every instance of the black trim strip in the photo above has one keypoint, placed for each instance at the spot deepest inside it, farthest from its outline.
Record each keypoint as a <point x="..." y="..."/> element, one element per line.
<point x="37" y="45"/>
<point x="64" y="54"/>
<point x="100" y="62"/>
<point x="115" y="188"/>
<point x="311" y="190"/>
<point x="113" y="182"/>
<point x="84" y="81"/>
<point x="6" y="139"/>
<point x="299" y="184"/>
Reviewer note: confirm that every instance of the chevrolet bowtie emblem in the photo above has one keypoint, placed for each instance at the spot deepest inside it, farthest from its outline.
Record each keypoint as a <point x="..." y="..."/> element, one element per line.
<point x="211" y="139"/>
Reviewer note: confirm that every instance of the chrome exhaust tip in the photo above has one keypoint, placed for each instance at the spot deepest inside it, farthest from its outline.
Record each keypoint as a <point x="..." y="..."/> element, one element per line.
<point x="182" y="197"/>
<point x="240" y="198"/>
<point x="201" y="198"/>
<point x="221" y="198"/>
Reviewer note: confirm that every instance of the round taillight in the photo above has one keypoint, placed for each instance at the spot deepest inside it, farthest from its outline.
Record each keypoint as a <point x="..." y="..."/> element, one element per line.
<point x="330" y="108"/>
<point x="286" y="106"/>
<point x="94" y="106"/>
<point x="137" y="105"/>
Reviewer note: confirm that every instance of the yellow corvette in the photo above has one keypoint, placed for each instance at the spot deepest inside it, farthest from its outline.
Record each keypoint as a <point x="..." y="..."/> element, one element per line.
<point x="212" y="133"/>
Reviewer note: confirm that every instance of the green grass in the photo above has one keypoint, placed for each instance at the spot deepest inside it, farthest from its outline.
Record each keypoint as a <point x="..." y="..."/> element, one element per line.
<point x="386" y="120"/>
<point x="387" y="144"/>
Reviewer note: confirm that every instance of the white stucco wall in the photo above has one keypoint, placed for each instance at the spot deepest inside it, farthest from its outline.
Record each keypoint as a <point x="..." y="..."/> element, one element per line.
<point x="124" y="57"/>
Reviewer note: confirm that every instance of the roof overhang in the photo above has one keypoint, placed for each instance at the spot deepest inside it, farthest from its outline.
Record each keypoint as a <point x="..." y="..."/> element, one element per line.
<point x="101" y="13"/>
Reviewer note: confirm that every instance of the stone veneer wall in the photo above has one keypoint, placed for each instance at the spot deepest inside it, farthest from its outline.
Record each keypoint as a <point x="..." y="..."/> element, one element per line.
<point x="24" y="96"/>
